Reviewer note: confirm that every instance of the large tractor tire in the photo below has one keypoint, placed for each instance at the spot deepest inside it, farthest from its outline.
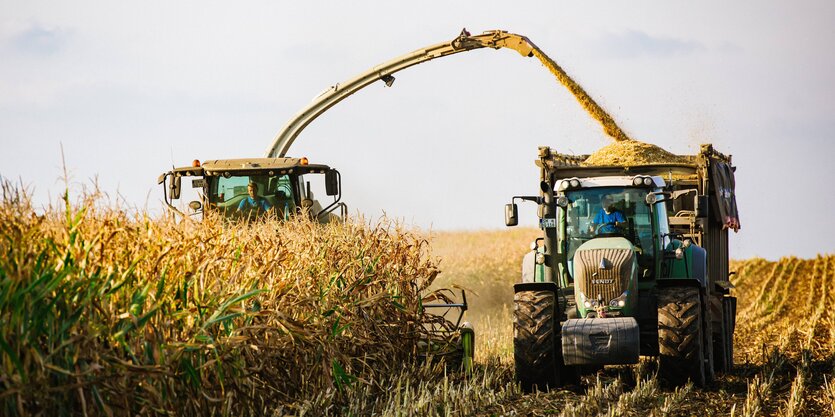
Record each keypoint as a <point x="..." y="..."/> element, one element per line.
<point x="536" y="340"/>
<point x="680" y="335"/>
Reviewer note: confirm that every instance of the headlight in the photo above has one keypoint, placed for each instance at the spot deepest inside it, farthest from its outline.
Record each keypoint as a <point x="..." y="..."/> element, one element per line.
<point x="586" y="302"/>
<point x="642" y="180"/>
<point x="575" y="182"/>
<point x="563" y="185"/>
<point x="620" y="301"/>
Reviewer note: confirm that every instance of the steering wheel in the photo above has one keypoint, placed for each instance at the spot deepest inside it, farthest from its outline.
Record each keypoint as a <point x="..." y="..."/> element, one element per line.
<point x="601" y="225"/>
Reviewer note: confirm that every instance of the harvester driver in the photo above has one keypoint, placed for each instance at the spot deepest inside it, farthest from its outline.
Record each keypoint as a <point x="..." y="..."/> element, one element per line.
<point x="609" y="219"/>
<point x="254" y="201"/>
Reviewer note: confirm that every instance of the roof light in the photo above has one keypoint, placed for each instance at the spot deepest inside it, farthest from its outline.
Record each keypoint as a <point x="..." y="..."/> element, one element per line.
<point x="637" y="181"/>
<point x="303" y="161"/>
<point x="563" y="185"/>
<point x="195" y="163"/>
<point x="575" y="183"/>
<point x="647" y="181"/>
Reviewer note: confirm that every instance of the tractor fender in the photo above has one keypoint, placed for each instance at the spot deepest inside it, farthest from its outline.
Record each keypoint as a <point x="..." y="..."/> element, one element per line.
<point x="529" y="267"/>
<point x="691" y="267"/>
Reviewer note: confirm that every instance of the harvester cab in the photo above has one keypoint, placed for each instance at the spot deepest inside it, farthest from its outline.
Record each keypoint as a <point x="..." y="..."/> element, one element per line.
<point x="258" y="187"/>
<point x="630" y="264"/>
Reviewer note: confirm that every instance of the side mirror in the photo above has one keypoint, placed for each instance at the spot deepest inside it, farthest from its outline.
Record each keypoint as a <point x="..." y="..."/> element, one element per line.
<point x="174" y="187"/>
<point x="701" y="205"/>
<point x="332" y="182"/>
<point x="195" y="205"/>
<point x="511" y="215"/>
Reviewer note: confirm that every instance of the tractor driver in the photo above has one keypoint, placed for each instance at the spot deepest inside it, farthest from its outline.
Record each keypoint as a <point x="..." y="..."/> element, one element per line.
<point x="609" y="219"/>
<point x="253" y="201"/>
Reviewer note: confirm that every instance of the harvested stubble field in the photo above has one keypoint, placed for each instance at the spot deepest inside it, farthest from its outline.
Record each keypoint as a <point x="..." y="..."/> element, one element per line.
<point x="105" y="313"/>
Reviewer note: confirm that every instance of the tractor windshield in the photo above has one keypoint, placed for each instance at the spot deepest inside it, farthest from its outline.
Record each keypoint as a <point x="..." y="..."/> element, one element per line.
<point x="245" y="196"/>
<point x="608" y="211"/>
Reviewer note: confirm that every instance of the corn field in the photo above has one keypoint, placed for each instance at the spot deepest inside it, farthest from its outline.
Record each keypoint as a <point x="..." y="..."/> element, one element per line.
<point x="103" y="312"/>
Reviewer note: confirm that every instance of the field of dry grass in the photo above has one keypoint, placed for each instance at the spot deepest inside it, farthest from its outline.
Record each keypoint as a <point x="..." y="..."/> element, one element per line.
<point x="105" y="313"/>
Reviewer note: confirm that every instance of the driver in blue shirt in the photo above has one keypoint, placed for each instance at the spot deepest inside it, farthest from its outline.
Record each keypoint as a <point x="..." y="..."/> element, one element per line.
<point x="609" y="219"/>
<point x="254" y="201"/>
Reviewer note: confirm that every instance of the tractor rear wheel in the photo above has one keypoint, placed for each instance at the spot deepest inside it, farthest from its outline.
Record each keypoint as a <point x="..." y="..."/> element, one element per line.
<point x="680" y="337"/>
<point x="535" y="340"/>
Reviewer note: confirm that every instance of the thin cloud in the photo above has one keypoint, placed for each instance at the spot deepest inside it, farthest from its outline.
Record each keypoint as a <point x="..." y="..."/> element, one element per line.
<point x="39" y="40"/>
<point x="635" y="44"/>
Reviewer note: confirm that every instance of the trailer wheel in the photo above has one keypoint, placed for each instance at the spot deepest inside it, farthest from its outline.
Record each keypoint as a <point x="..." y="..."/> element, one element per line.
<point x="680" y="341"/>
<point x="728" y="318"/>
<point x="721" y="353"/>
<point x="708" y="342"/>
<point x="535" y="340"/>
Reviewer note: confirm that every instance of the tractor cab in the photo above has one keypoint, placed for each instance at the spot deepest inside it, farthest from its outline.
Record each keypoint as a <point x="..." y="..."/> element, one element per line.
<point x="257" y="188"/>
<point x="612" y="208"/>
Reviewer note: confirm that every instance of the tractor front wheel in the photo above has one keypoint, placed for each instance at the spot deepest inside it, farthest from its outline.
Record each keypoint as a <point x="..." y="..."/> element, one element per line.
<point x="535" y="340"/>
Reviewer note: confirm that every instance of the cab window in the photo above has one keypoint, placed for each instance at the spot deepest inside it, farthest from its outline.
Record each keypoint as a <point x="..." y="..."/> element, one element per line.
<point x="586" y="219"/>
<point x="279" y="192"/>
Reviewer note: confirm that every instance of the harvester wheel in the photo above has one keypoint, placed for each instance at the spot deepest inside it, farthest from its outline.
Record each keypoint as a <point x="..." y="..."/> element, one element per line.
<point x="535" y="340"/>
<point x="680" y="341"/>
<point x="467" y="347"/>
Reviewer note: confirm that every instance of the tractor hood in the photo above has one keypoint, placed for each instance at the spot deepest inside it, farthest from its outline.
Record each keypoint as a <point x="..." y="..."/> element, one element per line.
<point x="605" y="272"/>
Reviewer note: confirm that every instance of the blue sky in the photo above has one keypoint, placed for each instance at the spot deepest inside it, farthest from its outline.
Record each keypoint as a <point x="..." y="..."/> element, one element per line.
<point x="130" y="88"/>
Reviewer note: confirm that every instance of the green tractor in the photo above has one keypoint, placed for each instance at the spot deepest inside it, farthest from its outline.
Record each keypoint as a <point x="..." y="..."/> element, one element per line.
<point x="633" y="262"/>
<point x="257" y="187"/>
